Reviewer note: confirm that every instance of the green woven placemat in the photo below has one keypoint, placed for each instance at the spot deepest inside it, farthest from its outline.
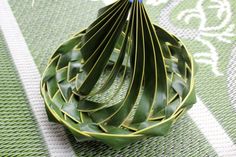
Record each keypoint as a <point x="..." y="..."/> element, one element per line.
<point x="19" y="134"/>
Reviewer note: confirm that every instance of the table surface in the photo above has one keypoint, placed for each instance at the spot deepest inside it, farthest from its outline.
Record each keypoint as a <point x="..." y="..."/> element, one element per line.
<point x="31" y="30"/>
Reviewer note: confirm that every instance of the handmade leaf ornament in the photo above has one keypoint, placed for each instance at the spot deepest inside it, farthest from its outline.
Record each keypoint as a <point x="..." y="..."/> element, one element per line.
<point x="120" y="80"/>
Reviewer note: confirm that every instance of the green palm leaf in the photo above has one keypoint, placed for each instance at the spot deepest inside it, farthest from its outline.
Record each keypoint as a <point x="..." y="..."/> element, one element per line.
<point x="120" y="80"/>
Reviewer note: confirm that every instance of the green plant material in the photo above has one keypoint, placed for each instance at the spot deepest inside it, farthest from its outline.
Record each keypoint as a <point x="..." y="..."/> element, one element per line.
<point x="120" y="80"/>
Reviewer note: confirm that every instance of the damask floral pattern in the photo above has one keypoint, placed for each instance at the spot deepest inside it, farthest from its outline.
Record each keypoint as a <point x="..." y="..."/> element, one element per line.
<point x="222" y="29"/>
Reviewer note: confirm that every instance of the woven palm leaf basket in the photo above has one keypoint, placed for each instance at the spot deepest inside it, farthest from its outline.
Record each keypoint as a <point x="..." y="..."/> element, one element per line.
<point x="121" y="80"/>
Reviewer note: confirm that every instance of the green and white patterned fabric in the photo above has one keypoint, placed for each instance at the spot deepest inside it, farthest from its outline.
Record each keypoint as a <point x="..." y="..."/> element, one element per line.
<point x="30" y="31"/>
